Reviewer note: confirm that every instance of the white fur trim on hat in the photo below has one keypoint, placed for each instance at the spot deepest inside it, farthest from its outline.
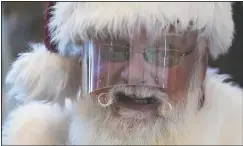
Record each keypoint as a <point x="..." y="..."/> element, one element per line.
<point x="80" y="20"/>
<point x="42" y="75"/>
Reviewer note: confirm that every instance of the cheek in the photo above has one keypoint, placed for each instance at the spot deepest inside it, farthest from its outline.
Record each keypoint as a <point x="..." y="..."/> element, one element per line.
<point x="105" y="73"/>
<point x="179" y="79"/>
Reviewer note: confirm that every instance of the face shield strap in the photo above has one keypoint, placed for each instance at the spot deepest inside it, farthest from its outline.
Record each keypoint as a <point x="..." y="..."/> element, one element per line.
<point x="201" y="100"/>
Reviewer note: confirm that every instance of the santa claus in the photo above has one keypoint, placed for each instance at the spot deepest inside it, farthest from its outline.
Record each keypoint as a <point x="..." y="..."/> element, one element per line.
<point x="126" y="73"/>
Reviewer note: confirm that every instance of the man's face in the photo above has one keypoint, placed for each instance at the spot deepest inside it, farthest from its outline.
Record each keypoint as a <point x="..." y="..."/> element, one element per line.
<point x="155" y="63"/>
<point x="143" y="82"/>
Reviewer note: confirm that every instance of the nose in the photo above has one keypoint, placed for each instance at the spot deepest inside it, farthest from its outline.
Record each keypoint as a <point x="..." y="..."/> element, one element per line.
<point x="134" y="71"/>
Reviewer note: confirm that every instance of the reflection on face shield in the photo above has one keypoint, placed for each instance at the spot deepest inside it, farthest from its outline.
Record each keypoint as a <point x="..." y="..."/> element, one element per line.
<point x="159" y="64"/>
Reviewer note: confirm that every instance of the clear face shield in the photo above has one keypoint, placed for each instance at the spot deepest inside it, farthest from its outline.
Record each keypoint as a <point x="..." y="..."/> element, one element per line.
<point x="163" y="63"/>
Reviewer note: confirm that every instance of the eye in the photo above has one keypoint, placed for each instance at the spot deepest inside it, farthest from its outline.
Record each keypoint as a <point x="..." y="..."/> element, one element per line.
<point x="162" y="57"/>
<point x="115" y="53"/>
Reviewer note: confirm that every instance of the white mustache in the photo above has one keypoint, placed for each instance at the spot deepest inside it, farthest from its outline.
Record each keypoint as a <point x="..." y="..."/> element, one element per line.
<point x="108" y="99"/>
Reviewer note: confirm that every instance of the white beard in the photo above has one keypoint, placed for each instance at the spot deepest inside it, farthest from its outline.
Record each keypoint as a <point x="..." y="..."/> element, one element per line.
<point x="97" y="125"/>
<point x="93" y="125"/>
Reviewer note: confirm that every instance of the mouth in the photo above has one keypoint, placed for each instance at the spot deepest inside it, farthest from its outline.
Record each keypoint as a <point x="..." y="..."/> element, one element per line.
<point x="137" y="103"/>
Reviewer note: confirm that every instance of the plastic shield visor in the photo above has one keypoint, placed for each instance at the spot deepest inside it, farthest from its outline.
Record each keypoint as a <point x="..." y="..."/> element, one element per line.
<point x="157" y="64"/>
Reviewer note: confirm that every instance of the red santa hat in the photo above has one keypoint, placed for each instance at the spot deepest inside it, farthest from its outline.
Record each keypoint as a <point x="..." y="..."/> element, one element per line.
<point x="42" y="74"/>
<point x="47" y="35"/>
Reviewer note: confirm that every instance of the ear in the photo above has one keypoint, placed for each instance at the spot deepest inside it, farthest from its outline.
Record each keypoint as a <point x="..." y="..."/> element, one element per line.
<point x="42" y="75"/>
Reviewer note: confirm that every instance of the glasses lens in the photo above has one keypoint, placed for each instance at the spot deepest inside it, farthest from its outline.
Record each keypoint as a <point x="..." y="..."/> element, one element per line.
<point x="159" y="57"/>
<point x="114" y="53"/>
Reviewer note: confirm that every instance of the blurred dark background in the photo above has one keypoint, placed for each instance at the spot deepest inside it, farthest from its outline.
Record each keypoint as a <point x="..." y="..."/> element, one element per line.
<point x="23" y="22"/>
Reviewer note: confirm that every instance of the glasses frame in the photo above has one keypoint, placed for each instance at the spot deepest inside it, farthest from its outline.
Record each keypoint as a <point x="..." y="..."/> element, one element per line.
<point x="181" y="54"/>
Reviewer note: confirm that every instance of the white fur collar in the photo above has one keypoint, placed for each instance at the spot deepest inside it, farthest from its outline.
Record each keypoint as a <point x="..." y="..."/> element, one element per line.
<point x="221" y="116"/>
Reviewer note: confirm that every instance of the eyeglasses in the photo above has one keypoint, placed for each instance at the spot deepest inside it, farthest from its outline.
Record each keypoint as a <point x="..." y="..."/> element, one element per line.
<point x="155" y="56"/>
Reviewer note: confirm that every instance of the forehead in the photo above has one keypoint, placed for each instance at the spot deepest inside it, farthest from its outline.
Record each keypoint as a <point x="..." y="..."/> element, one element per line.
<point x="165" y="37"/>
<point x="180" y="41"/>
